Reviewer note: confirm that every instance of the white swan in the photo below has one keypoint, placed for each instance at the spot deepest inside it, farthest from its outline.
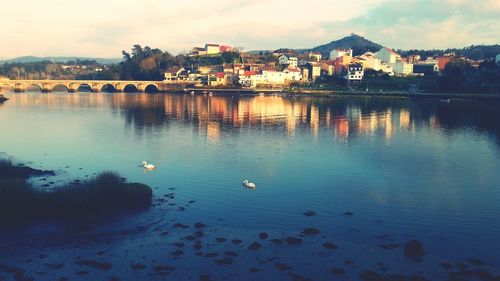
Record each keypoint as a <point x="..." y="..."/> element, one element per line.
<point x="148" y="166"/>
<point x="249" y="185"/>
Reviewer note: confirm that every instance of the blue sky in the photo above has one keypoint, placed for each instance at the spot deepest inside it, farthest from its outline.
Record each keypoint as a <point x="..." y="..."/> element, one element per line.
<point x="103" y="28"/>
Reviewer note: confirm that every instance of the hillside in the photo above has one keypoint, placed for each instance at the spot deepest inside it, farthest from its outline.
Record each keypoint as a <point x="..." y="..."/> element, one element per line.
<point x="28" y="59"/>
<point x="357" y="43"/>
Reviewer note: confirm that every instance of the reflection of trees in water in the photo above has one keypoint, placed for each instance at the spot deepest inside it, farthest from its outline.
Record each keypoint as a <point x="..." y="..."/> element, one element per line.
<point x="347" y="117"/>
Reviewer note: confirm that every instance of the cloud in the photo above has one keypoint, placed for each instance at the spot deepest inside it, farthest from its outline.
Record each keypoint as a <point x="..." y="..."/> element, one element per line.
<point x="104" y="28"/>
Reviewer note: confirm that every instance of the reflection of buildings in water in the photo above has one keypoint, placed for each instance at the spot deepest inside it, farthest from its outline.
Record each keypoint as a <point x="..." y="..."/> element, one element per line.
<point x="341" y="128"/>
<point x="404" y="119"/>
<point x="213" y="131"/>
<point x="434" y="122"/>
<point x="314" y="123"/>
<point x="388" y="125"/>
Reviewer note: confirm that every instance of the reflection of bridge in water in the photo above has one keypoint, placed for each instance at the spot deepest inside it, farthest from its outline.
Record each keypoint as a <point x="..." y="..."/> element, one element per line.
<point x="74" y="85"/>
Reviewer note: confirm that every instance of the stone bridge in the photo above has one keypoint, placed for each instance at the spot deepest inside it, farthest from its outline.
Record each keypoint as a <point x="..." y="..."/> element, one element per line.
<point x="74" y="85"/>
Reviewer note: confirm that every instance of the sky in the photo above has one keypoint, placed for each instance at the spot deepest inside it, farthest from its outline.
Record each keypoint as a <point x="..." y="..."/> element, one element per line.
<point x="103" y="28"/>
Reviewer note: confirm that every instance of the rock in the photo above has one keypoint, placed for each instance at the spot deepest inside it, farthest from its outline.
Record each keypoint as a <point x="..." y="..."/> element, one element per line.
<point x="263" y="235"/>
<point x="180" y="225"/>
<point x="337" y="271"/>
<point x="224" y="261"/>
<point x="137" y="266"/>
<point x="372" y="276"/>
<point x="476" y="262"/>
<point x="293" y="240"/>
<point x="254" y="246"/>
<point x="205" y="277"/>
<point x="281" y="266"/>
<point x="310" y="231"/>
<point x="348" y="213"/>
<point x="199" y="225"/>
<point x="330" y="246"/>
<point x="236" y="241"/>
<point x="221" y="240"/>
<point x="414" y="249"/>
<point x="95" y="264"/>
<point x="310" y="213"/>
<point x="277" y="241"/>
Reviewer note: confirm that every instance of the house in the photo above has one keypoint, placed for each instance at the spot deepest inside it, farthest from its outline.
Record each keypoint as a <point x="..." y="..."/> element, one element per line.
<point x="388" y="55"/>
<point x="315" y="56"/>
<point x="212" y="49"/>
<point x="293" y="62"/>
<point x="341" y="63"/>
<point x="283" y="60"/>
<point x="218" y="79"/>
<point x="197" y="51"/>
<point x="173" y="73"/>
<point x="313" y="71"/>
<point x="425" y="69"/>
<point x="402" y="68"/>
<point x="443" y="61"/>
<point x="337" y="53"/>
<point x="289" y="61"/>
<point x="293" y="74"/>
<point x="355" y="73"/>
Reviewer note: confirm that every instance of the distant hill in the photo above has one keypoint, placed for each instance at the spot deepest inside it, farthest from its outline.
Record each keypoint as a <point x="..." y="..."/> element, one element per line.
<point x="28" y="59"/>
<point x="358" y="44"/>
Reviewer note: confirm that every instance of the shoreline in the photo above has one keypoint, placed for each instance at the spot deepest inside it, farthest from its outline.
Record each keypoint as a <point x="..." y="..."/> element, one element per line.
<point x="319" y="93"/>
<point x="328" y="93"/>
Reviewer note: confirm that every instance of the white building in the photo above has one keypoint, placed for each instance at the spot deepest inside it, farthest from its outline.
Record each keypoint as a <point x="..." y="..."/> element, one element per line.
<point x="293" y="62"/>
<point x="277" y="78"/>
<point x="290" y="61"/>
<point x="315" y="56"/>
<point x="387" y="55"/>
<point x="402" y="68"/>
<point x="370" y="60"/>
<point x="283" y="60"/>
<point x="340" y="53"/>
<point x="498" y="58"/>
<point x="355" y="72"/>
<point x="212" y="49"/>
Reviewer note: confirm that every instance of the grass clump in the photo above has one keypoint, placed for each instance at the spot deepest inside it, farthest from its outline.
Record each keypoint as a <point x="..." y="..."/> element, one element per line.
<point x="104" y="194"/>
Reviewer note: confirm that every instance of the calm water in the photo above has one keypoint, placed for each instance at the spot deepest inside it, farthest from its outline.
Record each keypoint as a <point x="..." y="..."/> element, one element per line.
<point x="414" y="169"/>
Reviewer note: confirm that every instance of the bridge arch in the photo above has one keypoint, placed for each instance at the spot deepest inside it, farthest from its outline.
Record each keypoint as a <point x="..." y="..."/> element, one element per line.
<point x="84" y="88"/>
<point x="130" y="88"/>
<point x="108" y="88"/>
<point x="60" y="88"/>
<point x="29" y="87"/>
<point x="151" y="88"/>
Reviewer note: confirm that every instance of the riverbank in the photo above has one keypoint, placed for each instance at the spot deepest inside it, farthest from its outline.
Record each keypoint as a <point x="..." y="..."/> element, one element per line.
<point x="104" y="194"/>
<point x="330" y="93"/>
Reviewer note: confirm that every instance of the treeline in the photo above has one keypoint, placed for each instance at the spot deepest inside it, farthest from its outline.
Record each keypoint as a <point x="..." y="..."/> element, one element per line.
<point x="145" y="63"/>
<point x="141" y="63"/>
<point x="479" y="52"/>
<point x="49" y="70"/>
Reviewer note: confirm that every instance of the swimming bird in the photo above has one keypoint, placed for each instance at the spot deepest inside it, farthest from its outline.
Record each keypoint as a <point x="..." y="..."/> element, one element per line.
<point x="148" y="166"/>
<point x="249" y="185"/>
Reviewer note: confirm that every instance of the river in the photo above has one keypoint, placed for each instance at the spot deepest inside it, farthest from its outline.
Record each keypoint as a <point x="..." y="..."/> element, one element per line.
<point x="375" y="172"/>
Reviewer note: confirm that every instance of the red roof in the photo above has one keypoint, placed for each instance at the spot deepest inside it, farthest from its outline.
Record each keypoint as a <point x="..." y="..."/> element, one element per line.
<point x="220" y="74"/>
<point x="250" y="73"/>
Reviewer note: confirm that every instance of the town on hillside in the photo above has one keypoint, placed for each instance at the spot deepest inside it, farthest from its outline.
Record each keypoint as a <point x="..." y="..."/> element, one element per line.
<point x="223" y="66"/>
